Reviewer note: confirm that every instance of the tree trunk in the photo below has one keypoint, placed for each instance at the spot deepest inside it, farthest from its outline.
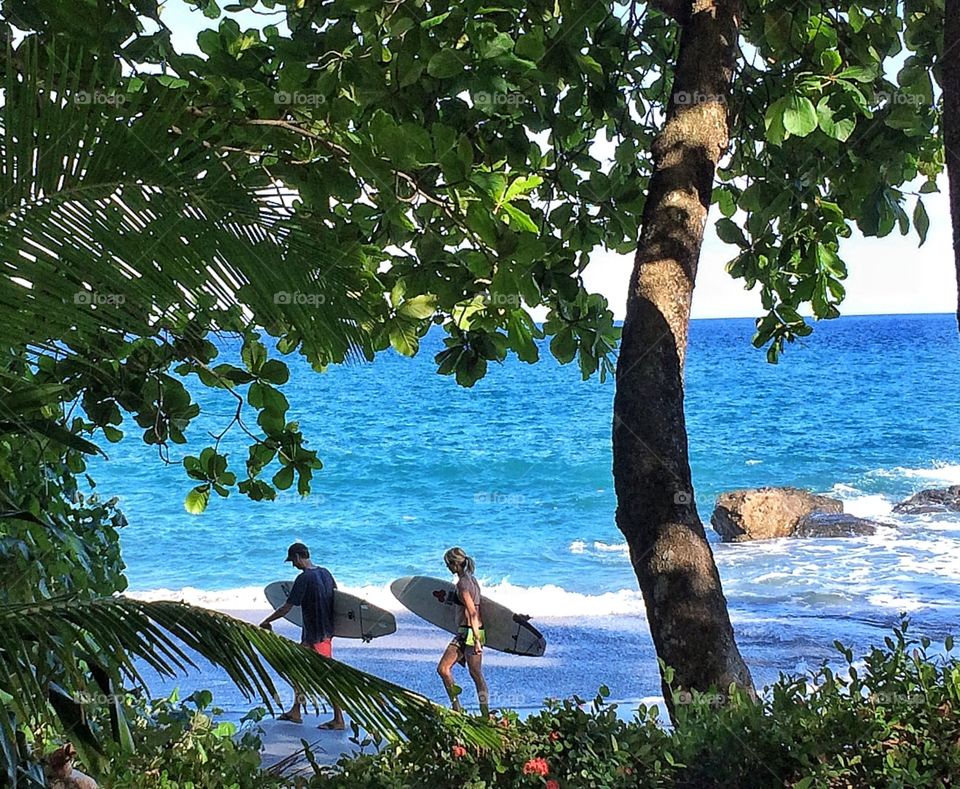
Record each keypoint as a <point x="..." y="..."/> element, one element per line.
<point x="656" y="511"/>
<point x="951" y="123"/>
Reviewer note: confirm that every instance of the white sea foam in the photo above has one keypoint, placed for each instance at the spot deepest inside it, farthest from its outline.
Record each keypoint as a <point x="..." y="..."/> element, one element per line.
<point x="251" y="597"/>
<point x="860" y="504"/>
<point x="548" y="601"/>
<point x="895" y="603"/>
<point x="598" y="546"/>
<point x="939" y="473"/>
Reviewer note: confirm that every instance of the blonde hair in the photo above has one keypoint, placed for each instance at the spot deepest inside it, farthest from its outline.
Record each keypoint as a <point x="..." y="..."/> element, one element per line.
<point x="457" y="558"/>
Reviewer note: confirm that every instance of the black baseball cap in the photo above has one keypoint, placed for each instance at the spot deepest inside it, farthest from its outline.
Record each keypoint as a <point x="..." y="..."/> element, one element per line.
<point x="297" y="549"/>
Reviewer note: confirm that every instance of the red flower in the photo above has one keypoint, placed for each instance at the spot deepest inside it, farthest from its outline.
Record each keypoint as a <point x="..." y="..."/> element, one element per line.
<point x="551" y="784"/>
<point x="554" y="736"/>
<point x="459" y="751"/>
<point x="536" y="766"/>
<point x="505" y="722"/>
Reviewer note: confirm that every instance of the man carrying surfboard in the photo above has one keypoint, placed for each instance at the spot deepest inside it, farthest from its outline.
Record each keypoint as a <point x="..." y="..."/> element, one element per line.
<point x="313" y="591"/>
<point x="466" y="648"/>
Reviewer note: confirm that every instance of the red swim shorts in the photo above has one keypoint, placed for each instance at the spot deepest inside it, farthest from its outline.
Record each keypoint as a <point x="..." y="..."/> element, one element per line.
<point x="324" y="648"/>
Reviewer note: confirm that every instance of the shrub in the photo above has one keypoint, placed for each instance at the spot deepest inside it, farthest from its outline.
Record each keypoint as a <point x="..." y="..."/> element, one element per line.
<point x="181" y="745"/>
<point x="890" y="720"/>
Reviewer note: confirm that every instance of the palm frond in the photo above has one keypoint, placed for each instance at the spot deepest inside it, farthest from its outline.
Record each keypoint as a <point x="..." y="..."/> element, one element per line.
<point x="116" y="212"/>
<point x="124" y="635"/>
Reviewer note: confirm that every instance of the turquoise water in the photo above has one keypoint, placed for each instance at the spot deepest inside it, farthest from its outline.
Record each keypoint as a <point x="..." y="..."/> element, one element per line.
<point x="518" y="471"/>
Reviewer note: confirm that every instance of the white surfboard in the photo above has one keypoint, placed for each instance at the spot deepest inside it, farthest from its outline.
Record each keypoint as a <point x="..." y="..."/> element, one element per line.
<point x="353" y="617"/>
<point x="437" y="601"/>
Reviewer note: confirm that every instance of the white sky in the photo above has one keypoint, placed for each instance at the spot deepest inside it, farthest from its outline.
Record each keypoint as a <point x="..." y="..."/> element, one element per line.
<point x="890" y="275"/>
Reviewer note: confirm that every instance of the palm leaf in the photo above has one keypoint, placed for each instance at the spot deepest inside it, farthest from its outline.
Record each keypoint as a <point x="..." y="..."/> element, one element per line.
<point x="116" y="213"/>
<point x="125" y="635"/>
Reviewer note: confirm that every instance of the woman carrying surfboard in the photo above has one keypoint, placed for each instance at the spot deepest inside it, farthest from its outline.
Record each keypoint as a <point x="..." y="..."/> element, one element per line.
<point x="466" y="648"/>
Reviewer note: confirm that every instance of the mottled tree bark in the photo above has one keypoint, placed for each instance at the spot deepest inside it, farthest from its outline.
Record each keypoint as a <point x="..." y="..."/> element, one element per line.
<point x="656" y="512"/>
<point x="951" y="123"/>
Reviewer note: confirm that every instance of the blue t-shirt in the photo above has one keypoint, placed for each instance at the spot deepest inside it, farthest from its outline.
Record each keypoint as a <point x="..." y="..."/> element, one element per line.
<point x="313" y="592"/>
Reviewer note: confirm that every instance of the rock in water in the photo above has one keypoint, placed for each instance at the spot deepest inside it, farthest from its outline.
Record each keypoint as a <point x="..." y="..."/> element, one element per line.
<point x="931" y="500"/>
<point x="767" y="513"/>
<point x="825" y="524"/>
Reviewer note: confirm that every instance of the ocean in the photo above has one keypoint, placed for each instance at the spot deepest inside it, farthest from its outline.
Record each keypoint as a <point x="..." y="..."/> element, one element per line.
<point x="517" y="470"/>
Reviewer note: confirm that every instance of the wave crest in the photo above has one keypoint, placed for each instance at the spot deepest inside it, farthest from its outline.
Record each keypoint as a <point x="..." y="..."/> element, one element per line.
<point x="547" y="601"/>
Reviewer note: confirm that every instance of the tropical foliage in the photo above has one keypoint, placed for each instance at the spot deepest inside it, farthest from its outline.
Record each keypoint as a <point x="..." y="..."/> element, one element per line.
<point x="183" y="744"/>
<point x="58" y="654"/>
<point x="134" y="242"/>
<point x="828" y="91"/>
<point x="888" y="720"/>
<point x="423" y="164"/>
<point x="342" y="181"/>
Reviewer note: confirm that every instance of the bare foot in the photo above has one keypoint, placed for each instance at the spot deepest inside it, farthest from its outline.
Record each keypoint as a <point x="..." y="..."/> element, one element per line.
<point x="334" y="725"/>
<point x="287" y="716"/>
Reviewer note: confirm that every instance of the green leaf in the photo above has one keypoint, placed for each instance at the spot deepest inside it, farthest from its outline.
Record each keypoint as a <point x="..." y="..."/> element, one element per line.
<point x="445" y="64"/>
<point x="830" y="125"/>
<point x="196" y="501"/>
<point x="726" y="201"/>
<point x="112" y="434"/>
<point x="773" y="121"/>
<point x="799" y="116"/>
<point x="419" y="307"/>
<point x="858" y="74"/>
<point x="274" y="371"/>
<point x="730" y="233"/>
<point x="521" y="186"/>
<point x="830" y="261"/>
<point x="172" y="82"/>
<point x="830" y="60"/>
<point x="283" y="479"/>
<point x="404" y="338"/>
<point x="857" y="21"/>
<point x="531" y="45"/>
<point x="433" y="21"/>
<point x="591" y="67"/>
<point x="520" y="219"/>
<point x="470" y="369"/>
<point x="563" y="345"/>
<point x="253" y="354"/>
<point x="500" y="44"/>
<point x="921" y="221"/>
<point x="777" y="27"/>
